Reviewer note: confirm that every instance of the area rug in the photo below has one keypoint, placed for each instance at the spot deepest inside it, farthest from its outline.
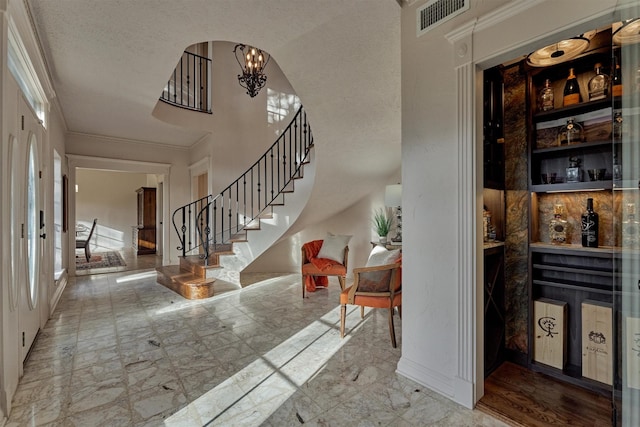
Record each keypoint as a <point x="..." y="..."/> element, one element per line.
<point x="100" y="260"/>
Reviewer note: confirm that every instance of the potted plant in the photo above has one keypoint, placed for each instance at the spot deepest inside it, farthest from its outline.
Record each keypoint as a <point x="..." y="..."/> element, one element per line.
<point x="382" y="224"/>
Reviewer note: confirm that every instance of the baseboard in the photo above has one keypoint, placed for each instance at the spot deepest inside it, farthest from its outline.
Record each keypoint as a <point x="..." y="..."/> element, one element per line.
<point x="427" y="377"/>
<point x="60" y="284"/>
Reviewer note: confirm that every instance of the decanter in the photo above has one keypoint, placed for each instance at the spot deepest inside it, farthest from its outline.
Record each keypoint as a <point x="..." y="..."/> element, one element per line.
<point x="558" y="226"/>
<point x="571" y="133"/>
<point x="598" y="85"/>
<point x="546" y="97"/>
<point x="574" y="174"/>
<point x="617" y="168"/>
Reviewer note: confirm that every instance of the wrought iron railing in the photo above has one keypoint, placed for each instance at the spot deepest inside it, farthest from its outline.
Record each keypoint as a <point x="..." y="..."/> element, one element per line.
<point x="206" y="224"/>
<point x="188" y="86"/>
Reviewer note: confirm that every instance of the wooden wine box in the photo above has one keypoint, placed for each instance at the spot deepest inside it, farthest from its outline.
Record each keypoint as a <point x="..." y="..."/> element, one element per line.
<point x="550" y="323"/>
<point x="597" y="341"/>
<point x="631" y="350"/>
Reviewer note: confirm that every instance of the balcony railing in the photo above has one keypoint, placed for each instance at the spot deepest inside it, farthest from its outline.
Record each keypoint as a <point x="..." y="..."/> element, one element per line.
<point x="188" y="87"/>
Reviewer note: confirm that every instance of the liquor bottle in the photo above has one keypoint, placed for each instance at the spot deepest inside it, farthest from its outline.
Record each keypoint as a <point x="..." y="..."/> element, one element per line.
<point x="617" y="168"/>
<point x="598" y="85"/>
<point x="590" y="226"/>
<point x="571" y="133"/>
<point x="571" y="90"/>
<point x="546" y="97"/>
<point x="558" y="226"/>
<point x="616" y="79"/>
<point x="630" y="228"/>
<point x="574" y="173"/>
<point x="617" y="125"/>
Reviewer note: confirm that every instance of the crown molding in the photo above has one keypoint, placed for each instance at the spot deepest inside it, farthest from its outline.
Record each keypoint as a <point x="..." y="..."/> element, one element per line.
<point x="128" y="141"/>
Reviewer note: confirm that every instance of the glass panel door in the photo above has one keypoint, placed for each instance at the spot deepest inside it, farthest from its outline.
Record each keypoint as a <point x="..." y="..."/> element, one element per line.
<point x="33" y="222"/>
<point x="626" y="176"/>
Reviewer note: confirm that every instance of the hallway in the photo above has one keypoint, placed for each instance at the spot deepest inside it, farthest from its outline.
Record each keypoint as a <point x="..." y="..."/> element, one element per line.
<point x="122" y="350"/>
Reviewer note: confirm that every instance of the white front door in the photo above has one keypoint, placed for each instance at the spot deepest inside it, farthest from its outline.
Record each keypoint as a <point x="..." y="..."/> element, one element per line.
<point x="30" y="230"/>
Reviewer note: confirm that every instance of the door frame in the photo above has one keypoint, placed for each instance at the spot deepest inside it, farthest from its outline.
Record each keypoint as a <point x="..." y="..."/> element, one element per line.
<point x="117" y="165"/>
<point x="478" y="45"/>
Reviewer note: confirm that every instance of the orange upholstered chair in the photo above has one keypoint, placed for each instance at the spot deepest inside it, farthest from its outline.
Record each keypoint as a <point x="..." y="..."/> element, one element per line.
<point x="377" y="287"/>
<point x="315" y="269"/>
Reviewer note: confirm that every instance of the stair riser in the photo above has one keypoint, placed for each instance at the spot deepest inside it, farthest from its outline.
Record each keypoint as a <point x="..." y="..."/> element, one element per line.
<point x="186" y="264"/>
<point x="189" y="291"/>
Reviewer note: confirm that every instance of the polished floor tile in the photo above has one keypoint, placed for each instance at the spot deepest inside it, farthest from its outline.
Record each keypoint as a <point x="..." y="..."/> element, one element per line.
<point x="121" y="350"/>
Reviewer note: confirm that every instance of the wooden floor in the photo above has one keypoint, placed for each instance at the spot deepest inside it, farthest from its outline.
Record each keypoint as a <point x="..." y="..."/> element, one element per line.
<point x="521" y="397"/>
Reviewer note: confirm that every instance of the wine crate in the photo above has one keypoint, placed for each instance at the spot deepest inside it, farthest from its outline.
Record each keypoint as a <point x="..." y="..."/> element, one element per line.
<point x="631" y="350"/>
<point x="550" y="323"/>
<point x="597" y="341"/>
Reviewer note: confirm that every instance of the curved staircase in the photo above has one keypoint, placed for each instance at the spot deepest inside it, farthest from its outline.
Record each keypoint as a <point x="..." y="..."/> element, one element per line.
<point x="221" y="235"/>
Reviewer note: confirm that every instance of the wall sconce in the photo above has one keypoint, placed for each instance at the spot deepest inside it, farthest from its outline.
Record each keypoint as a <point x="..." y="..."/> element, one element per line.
<point x="252" y="65"/>
<point x="393" y="199"/>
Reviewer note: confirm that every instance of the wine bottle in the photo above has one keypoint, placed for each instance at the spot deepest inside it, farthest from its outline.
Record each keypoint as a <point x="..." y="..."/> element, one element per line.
<point x="546" y="97"/>
<point x="590" y="226"/>
<point x="598" y="85"/>
<point x="616" y="79"/>
<point x="571" y="90"/>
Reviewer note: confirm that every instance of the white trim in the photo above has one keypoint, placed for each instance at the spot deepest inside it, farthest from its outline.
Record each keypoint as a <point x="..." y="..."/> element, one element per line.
<point x="509" y="10"/>
<point x="105" y="163"/>
<point x="22" y="69"/>
<point x="423" y="375"/>
<point x="152" y="144"/>
<point x="467" y="334"/>
<point x="199" y="167"/>
<point x="466" y="229"/>
<point x="20" y="18"/>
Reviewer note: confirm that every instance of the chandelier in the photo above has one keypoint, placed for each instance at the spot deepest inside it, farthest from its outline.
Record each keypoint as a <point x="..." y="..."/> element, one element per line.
<point x="252" y="62"/>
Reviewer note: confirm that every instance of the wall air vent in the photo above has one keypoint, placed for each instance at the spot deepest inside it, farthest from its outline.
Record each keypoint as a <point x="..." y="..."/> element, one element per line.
<point x="435" y="12"/>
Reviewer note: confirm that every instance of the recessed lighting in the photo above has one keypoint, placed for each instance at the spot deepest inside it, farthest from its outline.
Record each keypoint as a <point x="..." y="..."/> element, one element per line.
<point x="561" y="51"/>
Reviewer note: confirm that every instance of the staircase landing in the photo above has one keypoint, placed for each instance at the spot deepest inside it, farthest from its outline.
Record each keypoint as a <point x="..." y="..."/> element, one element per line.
<point x="188" y="279"/>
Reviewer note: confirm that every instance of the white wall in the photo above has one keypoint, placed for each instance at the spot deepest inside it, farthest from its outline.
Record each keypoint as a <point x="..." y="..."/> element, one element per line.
<point x="354" y="221"/>
<point x="111" y="197"/>
<point x="240" y="133"/>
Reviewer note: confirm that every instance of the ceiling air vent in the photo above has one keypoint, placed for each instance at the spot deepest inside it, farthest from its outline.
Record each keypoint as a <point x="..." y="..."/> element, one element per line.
<point x="435" y="12"/>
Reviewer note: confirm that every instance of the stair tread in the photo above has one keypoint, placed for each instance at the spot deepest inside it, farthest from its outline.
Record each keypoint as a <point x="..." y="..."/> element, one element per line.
<point x="195" y="262"/>
<point x="175" y="273"/>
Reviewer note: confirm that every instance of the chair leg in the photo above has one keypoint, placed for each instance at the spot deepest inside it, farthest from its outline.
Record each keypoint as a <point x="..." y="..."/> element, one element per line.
<point x="87" y="252"/>
<point x="303" y="286"/>
<point x="341" y="280"/>
<point x="362" y="311"/>
<point x="343" y="314"/>
<point x="400" y="311"/>
<point x="391" y="328"/>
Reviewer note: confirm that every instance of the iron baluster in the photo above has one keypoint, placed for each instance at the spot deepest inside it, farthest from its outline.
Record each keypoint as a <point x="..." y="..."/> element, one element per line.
<point x="202" y="220"/>
<point x="191" y="79"/>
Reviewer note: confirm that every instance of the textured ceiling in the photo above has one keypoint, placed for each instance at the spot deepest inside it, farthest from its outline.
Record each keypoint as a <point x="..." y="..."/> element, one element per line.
<point x="109" y="60"/>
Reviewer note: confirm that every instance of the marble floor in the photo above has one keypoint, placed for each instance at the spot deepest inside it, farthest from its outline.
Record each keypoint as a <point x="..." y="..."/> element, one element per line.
<point x="121" y="350"/>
